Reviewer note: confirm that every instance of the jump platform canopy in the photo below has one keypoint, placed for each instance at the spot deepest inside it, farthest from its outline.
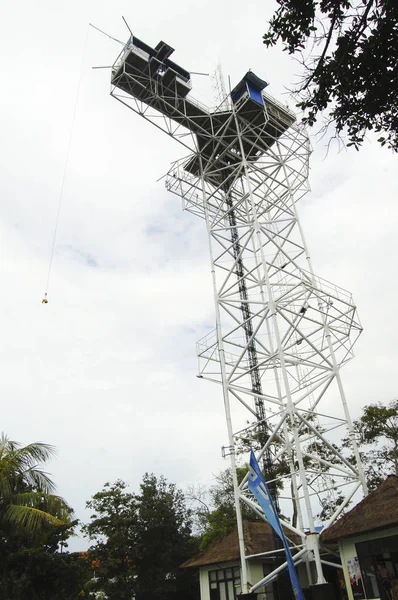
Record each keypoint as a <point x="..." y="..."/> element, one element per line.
<point x="148" y="75"/>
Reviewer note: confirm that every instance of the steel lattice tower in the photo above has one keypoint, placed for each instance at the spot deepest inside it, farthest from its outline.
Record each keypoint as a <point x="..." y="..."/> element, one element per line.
<point x="282" y="333"/>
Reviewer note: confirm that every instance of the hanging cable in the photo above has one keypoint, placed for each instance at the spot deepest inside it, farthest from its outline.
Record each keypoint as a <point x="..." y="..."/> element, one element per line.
<point x="45" y="300"/>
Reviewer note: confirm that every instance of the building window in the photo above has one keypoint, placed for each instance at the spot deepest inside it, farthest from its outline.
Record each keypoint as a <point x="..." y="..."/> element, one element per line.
<point x="378" y="560"/>
<point x="224" y="584"/>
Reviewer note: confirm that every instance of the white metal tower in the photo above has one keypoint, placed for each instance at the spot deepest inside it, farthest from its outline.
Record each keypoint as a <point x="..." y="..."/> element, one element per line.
<point x="282" y="333"/>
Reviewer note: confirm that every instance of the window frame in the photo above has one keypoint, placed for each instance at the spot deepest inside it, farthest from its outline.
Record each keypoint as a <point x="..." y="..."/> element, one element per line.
<point x="220" y="576"/>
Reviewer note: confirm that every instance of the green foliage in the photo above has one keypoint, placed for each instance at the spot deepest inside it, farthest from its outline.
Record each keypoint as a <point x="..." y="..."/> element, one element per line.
<point x="349" y="54"/>
<point x="34" y="574"/>
<point x="377" y="429"/>
<point x="34" y="522"/>
<point x="112" y="527"/>
<point x="164" y="541"/>
<point x="214" y="523"/>
<point x="27" y="501"/>
<point x="140" y="541"/>
<point x="380" y="421"/>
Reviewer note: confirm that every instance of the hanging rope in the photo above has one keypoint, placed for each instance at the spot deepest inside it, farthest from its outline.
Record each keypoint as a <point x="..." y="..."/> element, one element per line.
<point x="61" y="194"/>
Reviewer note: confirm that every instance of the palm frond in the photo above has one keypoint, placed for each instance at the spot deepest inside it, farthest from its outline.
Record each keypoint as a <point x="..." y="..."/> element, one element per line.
<point x="6" y="445"/>
<point x="49" y="503"/>
<point x="5" y="484"/>
<point x="20" y="466"/>
<point x="29" y="518"/>
<point x="40" y="479"/>
<point x="37" y="452"/>
<point x="27" y="500"/>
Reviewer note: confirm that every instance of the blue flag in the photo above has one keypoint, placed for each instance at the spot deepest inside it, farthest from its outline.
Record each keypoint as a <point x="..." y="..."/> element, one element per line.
<point x="260" y="490"/>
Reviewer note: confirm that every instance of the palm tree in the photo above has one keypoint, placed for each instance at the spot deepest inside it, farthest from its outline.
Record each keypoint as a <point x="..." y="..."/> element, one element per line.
<point x="27" y="500"/>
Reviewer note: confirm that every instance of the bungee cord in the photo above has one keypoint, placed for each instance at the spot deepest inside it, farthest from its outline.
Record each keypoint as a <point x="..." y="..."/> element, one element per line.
<point x="61" y="194"/>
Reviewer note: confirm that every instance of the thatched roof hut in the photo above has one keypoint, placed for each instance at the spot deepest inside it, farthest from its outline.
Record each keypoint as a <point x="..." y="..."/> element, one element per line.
<point x="258" y="538"/>
<point x="377" y="511"/>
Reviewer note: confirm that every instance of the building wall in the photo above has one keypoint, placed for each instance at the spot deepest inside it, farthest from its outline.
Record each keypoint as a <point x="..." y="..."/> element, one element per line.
<point x="204" y="583"/>
<point x="347" y="550"/>
<point x="255" y="572"/>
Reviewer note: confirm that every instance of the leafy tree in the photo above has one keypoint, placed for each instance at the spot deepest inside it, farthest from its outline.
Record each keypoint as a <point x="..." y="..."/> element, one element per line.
<point x="112" y="527"/>
<point x="349" y="54"/>
<point x="27" y="499"/>
<point x="34" y="523"/>
<point x="377" y="429"/>
<point x="32" y="573"/>
<point x="164" y="541"/>
<point x="215" y="514"/>
<point x="140" y="541"/>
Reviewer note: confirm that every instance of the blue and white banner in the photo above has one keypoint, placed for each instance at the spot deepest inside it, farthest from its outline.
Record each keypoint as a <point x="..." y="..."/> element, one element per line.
<point x="260" y="490"/>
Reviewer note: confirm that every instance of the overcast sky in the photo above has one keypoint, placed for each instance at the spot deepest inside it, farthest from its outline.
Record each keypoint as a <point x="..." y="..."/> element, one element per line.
<point x="106" y="371"/>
